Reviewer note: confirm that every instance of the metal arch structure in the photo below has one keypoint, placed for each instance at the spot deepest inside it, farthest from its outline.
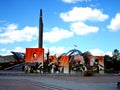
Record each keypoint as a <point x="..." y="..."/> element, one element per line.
<point x="74" y="52"/>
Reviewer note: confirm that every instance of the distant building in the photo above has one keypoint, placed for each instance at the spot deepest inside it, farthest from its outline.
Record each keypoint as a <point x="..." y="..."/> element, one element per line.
<point x="8" y="58"/>
<point x="15" y="56"/>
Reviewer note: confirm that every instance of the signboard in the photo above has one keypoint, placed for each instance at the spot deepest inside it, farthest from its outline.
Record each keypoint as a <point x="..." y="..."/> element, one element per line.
<point x="64" y="64"/>
<point x="77" y="64"/>
<point x="34" y="55"/>
<point x="53" y="59"/>
<point x="97" y="63"/>
<point x="79" y="58"/>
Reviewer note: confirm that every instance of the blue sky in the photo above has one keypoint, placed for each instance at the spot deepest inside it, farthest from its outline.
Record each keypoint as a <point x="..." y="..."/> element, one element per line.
<point x="92" y="25"/>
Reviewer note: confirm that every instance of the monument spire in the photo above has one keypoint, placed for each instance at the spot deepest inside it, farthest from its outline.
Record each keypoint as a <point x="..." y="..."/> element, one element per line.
<point x="40" y="42"/>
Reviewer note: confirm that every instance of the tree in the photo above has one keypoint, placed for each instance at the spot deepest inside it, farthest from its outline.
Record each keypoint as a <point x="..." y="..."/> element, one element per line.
<point x="115" y="53"/>
<point x="116" y="59"/>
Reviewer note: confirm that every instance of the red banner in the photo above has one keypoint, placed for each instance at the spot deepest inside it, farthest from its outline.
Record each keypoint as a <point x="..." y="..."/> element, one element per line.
<point x="64" y="62"/>
<point x="34" y="55"/>
<point x="53" y="59"/>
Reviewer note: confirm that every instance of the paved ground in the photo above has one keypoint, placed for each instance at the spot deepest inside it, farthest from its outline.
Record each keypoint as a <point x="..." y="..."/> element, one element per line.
<point x="58" y="82"/>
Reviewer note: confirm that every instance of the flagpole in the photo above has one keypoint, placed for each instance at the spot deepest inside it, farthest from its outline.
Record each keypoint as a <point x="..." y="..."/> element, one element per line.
<point x="75" y="46"/>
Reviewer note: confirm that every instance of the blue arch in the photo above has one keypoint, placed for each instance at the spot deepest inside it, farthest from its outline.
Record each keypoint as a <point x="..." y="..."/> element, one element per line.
<point x="73" y="52"/>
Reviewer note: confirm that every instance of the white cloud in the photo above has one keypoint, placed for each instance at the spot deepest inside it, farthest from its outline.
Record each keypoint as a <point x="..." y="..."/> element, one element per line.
<point x="19" y="49"/>
<point x="57" y="50"/>
<point x="11" y="34"/>
<point x="5" y="51"/>
<point x="108" y="53"/>
<point x="57" y="34"/>
<point x="83" y="29"/>
<point x="115" y="23"/>
<point x="60" y="50"/>
<point x="99" y="52"/>
<point x="74" y="1"/>
<point x="83" y="14"/>
<point x="11" y="27"/>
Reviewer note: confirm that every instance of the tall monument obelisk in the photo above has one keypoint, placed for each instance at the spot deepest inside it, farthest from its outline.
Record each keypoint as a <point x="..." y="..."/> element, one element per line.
<point x="40" y="42"/>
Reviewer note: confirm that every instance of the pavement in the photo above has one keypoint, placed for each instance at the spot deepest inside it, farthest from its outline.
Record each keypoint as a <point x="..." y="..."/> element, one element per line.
<point x="22" y="81"/>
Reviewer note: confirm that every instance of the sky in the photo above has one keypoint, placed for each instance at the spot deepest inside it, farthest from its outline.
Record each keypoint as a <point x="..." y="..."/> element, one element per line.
<point x="87" y="25"/>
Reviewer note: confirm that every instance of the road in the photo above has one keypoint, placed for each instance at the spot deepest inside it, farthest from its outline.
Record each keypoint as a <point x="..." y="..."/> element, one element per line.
<point x="58" y="82"/>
